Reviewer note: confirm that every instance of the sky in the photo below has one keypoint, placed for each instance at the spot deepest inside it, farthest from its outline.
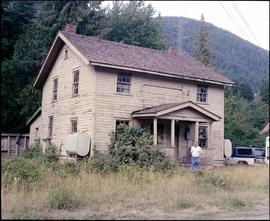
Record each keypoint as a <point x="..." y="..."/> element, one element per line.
<point x="247" y="19"/>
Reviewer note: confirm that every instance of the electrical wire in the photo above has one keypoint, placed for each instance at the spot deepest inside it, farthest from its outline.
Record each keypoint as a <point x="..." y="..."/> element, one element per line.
<point x="245" y="22"/>
<point x="235" y="22"/>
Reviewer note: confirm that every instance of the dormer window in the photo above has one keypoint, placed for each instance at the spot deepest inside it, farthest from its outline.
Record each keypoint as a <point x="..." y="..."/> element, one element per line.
<point x="202" y="91"/>
<point x="66" y="53"/>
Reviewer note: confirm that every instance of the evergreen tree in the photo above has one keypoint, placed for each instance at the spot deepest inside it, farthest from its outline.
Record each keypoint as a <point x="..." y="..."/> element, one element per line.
<point x="202" y="51"/>
<point x="133" y="23"/>
<point x="264" y="91"/>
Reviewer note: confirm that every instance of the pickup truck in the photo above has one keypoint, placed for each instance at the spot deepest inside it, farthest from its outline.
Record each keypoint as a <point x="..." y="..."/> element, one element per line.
<point x="243" y="155"/>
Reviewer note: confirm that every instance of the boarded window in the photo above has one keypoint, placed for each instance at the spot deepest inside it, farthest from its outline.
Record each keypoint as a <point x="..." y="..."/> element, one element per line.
<point x="118" y="122"/>
<point x="55" y="88"/>
<point x="203" y="136"/>
<point x="202" y="93"/>
<point x="75" y="87"/>
<point x="50" y="127"/>
<point x="74" y="126"/>
<point x="123" y="83"/>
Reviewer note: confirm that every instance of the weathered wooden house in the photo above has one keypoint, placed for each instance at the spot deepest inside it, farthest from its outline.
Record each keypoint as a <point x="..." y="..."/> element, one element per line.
<point x="91" y="85"/>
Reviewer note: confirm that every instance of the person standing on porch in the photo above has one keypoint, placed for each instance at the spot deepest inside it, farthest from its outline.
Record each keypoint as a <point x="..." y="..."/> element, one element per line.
<point x="195" y="150"/>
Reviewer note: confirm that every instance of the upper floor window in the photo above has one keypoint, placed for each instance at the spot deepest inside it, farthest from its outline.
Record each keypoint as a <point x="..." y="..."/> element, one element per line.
<point x="75" y="86"/>
<point x="55" y="88"/>
<point x="74" y="125"/>
<point x="66" y="53"/>
<point x="50" y="127"/>
<point x="202" y="93"/>
<point x="123" y="83"/>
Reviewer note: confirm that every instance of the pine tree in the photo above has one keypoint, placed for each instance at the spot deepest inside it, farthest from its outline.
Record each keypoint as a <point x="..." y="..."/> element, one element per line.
<point x="202" y="51"/>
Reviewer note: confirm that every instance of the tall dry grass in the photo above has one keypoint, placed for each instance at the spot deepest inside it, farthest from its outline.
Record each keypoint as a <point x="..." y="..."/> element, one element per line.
<point x="134" y="192"/>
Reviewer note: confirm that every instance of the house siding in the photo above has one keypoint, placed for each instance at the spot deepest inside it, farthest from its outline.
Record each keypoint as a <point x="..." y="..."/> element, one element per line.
<point x="150" y="90"/>
<point x="67" y="106"/>
<point x="36" y="124"/>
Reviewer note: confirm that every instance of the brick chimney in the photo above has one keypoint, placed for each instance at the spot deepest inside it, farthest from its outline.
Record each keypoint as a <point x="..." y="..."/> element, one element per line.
<point x="70" y="28"/>
<point x="173" y="50"/>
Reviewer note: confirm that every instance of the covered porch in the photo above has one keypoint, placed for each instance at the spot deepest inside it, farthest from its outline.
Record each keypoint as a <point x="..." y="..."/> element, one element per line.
<point x="176" y="126"/>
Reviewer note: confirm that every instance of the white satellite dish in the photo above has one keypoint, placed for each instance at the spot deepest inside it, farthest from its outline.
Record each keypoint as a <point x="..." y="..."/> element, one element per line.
<point x="77" y="144"/>
<point x="227" y="148"/>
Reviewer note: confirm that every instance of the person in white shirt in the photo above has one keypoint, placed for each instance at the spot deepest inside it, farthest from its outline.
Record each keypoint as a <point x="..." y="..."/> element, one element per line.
<point x="195" y="151"/>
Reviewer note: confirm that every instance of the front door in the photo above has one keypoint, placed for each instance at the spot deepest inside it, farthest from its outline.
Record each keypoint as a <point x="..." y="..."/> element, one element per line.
<point x="186" y="134"/>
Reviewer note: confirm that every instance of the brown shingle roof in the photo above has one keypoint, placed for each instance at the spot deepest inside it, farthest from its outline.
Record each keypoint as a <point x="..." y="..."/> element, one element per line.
<point x="129" y="56"/>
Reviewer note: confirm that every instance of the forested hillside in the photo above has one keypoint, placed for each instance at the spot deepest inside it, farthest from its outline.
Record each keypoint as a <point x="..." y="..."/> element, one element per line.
<point x="233" y="56"/>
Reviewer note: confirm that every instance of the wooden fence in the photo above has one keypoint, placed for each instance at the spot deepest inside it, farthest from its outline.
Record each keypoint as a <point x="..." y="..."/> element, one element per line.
<point x="13" y="145"/>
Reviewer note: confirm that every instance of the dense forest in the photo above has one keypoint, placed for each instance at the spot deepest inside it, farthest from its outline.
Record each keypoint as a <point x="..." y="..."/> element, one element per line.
<point x="231" y="55"/>
<point x="28" y="29"/>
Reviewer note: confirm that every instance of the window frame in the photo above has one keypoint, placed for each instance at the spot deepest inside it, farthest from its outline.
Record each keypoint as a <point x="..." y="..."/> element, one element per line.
<point x="50" y="127"/>
<point x="55" y="89"/>
<point x="72" y="120"/>
<point x="75" y="85"/>
<point x="124" y="84"/>
<point x="199" y="93"/>
<point x="126" y="121"/>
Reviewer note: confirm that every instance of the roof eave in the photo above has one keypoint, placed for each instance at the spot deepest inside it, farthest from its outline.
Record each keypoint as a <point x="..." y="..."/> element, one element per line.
<point x="94" y="63"/>
<point x="59" y="41"/>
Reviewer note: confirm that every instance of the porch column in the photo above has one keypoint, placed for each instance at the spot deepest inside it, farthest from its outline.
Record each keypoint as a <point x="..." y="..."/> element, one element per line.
<point x="155" y="131"/>
<point x="196" y="131"/>
<point x="209" y="135"/>
<point x="173" y="133"/>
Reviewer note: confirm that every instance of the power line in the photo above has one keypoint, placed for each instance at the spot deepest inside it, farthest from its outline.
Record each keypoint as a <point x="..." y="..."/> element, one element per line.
<point x="235" y="22"/>
<point x="245" y="22"/>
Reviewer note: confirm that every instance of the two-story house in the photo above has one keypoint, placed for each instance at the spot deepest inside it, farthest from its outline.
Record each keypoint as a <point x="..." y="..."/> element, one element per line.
<point x="91" y="85"/>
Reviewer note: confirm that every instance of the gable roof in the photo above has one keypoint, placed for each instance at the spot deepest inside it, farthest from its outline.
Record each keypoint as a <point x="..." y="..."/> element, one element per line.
<point x="34" y="116"/>
<point x="163" y="109"/>
<point x="265" y="129"/>
<point x="123" y="56"/>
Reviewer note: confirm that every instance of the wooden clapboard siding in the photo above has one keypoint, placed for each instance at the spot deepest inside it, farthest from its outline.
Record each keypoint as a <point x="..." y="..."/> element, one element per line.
<point x="68" y="106"/>
<point x="111" y="105"/>
<point x="9" y="148"/>
<point x="98" y="105"/>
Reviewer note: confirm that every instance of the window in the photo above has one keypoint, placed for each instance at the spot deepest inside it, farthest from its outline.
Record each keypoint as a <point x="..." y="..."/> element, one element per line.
<point x="118" y="122"/>
<point x="123" y="83"/>
<point x="74" y="126"/>
<point x="202" y="93"/>
<point x="203" y="136"/>
<point x="245" y="152"/>
<point x="75" y="87"/>
<point x="36" y="133"/>
<point x="66" y="53"/>
<point x="50" y="128"/>
<point x="55" y="88"/>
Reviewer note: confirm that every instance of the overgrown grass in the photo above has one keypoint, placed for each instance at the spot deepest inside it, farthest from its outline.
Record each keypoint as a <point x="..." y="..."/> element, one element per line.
<point x="61" y="187"/>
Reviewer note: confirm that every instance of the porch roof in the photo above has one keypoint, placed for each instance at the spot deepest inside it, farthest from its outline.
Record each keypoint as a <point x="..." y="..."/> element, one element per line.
<point x="163" y="109"/>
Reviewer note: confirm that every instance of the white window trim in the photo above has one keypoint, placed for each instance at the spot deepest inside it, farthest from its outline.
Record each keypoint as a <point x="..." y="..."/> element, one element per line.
<point x="130" y="85"/>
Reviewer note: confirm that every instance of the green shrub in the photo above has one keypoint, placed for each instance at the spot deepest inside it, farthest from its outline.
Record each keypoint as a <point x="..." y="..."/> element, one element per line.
<point x="212" y="180"/>
<point x="102" y="163"/>
<point x="61" y="198"/>
<point x="21" y="170"/>
<point x="35" y="151"/>
<point x="131" y="145"/>
<point x="51" y="153"/>
<point x="64" y="169"/>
